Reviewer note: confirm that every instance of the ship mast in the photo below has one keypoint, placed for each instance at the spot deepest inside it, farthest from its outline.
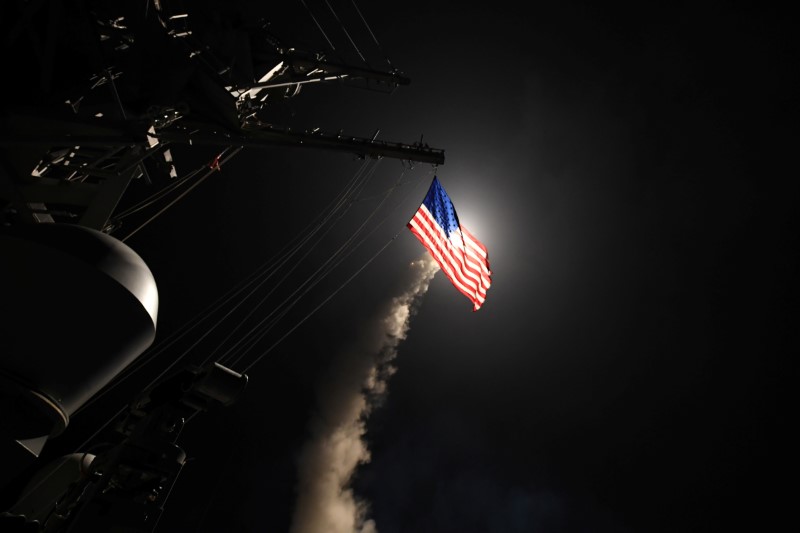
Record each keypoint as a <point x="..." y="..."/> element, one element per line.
<point x="102" y="92"/>
<point x="108" y="108"/>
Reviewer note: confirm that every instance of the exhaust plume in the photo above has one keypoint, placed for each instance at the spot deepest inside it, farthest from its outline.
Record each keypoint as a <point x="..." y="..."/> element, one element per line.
<point x="356" y="384"/>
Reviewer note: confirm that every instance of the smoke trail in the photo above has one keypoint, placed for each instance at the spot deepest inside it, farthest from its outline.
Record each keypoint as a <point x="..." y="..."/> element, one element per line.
<point x="357" y="382"/>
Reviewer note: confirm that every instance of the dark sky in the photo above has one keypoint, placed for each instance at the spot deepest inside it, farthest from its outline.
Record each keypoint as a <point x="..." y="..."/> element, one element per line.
<point x="627" y="169"/>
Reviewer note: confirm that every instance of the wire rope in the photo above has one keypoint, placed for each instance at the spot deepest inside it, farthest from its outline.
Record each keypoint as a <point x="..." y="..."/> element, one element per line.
<point x="323" y="223"/>
<point x="318" y="307"/>
<point x="184" y="193"/>
<point x="150" y="200"/>
<point x="279" y="340"/>
<point x="186" y="352"/>
<point x="254" y="341"/>
<point x="267" y="270"/>
<point x="228" y="354"/>
<point x="371" y="33"/>
<point x="318" y="26"/>
<point x="346" y="33"/>
<point x="337" y="257"/>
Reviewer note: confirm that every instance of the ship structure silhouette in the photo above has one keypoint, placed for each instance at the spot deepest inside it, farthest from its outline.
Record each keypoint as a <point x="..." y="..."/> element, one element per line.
<point x="98" y="95"/>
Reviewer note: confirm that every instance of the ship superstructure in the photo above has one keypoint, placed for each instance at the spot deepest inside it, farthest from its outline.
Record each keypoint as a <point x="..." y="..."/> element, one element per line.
<point x="98" y="96"/>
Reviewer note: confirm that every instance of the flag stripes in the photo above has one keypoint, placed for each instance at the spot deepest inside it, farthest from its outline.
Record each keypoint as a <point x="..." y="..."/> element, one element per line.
<point x="462" y="257"/>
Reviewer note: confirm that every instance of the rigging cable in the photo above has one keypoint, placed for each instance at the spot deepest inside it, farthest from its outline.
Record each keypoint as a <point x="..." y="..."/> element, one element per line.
<point x="317" y="308"/>
<point x="187" y="351"/>
<point x="242" y="321"/>
<point x="278" y="284"/>
<point x="274" y="269"/>
<point x="153" y="198"/>
<point x="339" y="256"/>
<point x="347" y="33"/>
<point x="268" y="269"/>
<point x="263" y="333"/>
<point x="231" y="351"/>
<point x="184" y="193"/>
<point x="174" y="337"/>
<point x="350" y="192"/>
<point x="318" y="26"/>
<point x="273" y="346"/>
<point x="372" y="34"/>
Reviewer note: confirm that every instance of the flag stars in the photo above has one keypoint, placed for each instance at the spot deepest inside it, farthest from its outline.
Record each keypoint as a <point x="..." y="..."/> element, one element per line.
<point x="462" y="257"/>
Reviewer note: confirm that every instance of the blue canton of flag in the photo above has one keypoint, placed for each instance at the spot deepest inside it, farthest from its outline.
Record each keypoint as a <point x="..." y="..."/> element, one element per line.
<point x="461" y="256"/>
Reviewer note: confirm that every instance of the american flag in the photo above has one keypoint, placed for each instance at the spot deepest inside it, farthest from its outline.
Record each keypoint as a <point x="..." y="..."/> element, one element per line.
<point x="461" y="256"/>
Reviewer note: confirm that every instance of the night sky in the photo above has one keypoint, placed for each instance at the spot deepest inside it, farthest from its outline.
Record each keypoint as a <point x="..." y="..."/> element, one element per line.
<point x="627" y="170"/>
